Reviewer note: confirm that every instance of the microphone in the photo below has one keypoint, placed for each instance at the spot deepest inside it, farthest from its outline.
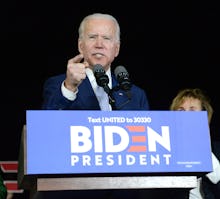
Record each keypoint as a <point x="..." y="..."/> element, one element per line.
<point x="123" y="78"/>
<point x="101" y="78"/>
<point x="102" y="81"/>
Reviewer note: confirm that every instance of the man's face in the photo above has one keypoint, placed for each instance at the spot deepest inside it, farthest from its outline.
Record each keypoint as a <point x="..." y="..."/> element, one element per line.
<point x="98" y="44"/>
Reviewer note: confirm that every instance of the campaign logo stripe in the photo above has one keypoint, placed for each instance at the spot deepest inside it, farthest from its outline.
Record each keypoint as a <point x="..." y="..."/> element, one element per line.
<point x="136" y="128"/>
<point x="138" y="138"/>
<point x="137" y="149"/>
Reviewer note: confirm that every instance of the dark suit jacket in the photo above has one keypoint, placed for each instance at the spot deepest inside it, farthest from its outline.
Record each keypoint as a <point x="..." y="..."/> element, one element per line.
<point x="212" y="191"/>
<point x="135" y="99"/>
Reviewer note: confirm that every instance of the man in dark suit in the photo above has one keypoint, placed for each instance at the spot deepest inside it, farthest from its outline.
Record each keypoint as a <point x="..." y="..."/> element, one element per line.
<point x="98" y="44"/>
<point x="90" y="72"/>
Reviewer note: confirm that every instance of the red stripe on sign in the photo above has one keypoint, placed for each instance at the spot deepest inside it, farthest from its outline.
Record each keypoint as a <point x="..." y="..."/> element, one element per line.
<point x="9" y="166"/>
<point x="137" y="149"/>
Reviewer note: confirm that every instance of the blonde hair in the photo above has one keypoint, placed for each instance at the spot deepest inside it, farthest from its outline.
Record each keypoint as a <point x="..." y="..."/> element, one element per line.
<point x="195" y="93"/>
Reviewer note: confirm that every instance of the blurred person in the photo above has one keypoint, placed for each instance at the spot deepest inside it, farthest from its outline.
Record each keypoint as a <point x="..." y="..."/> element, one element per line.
<point x="10" y="195"/>
<point x="195" y="99"/>
<point x="3" y="189"/>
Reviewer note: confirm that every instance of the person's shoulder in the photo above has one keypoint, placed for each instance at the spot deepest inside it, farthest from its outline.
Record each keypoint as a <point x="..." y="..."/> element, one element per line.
<point x="3" y="189"/>
<point x="54" y="80"/>
<point x="59" y="77"/>
<point x="216" y="148"/>
<point x="136" y="87"/>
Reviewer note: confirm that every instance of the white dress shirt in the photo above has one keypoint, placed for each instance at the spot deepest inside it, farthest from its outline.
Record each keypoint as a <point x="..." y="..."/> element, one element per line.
<point x="213" y="176"/>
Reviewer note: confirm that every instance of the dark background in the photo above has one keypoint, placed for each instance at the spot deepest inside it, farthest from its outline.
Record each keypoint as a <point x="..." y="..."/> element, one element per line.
<point x="165" y="46"/>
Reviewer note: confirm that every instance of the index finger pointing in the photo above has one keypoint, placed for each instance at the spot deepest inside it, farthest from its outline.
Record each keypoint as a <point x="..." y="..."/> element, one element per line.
<point x="76" y="59"/>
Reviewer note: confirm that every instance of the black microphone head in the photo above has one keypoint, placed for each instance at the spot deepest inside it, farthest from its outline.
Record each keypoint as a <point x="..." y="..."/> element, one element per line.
<point x="123" y="78"/>
<point x="99" y="73"/>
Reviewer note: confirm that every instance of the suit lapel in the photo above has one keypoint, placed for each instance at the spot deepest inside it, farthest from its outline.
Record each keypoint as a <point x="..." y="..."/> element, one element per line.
<point x="87" y="96"/>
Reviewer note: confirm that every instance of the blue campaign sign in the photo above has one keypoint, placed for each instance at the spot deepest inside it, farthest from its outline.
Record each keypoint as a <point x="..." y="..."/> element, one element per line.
<point x="86" y="142"/>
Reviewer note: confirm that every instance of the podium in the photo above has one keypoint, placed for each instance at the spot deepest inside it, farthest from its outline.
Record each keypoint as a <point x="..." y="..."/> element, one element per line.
<point x="48" y="183"/>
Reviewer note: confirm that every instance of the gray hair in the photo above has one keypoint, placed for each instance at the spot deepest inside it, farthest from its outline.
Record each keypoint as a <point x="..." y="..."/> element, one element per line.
<point x="99" y="16"/>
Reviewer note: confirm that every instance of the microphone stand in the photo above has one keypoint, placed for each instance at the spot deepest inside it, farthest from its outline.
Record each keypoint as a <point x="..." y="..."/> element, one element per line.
<point x="111" y="100"/>
<point x="110" y="96"/>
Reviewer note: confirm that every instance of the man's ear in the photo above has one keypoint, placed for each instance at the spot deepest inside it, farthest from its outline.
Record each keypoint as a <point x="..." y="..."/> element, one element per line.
<point x="80" y="49"/>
